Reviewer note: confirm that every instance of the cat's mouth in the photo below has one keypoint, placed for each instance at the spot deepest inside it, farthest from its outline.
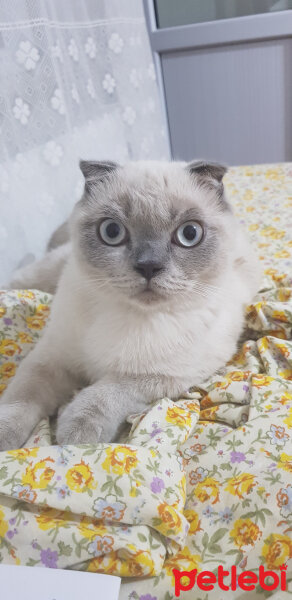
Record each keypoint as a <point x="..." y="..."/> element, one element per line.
<point x="149" y="295"/>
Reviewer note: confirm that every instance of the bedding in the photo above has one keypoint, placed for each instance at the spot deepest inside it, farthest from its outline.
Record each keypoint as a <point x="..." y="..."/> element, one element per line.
<point x="201" y="482"/>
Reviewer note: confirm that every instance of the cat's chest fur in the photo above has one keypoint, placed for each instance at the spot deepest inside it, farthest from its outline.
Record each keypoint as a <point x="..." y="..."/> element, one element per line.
<point x="130" y="343"/>
<point x="103" y="336"/>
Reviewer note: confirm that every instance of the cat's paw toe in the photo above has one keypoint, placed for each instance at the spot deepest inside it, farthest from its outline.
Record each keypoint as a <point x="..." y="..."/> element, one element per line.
<point x="9" y="439"/>
<point x="78" y="431"/>
<point x="13" y="428"/>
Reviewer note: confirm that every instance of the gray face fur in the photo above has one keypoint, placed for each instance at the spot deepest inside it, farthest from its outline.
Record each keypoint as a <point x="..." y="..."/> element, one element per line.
<point x="152" y="200"/>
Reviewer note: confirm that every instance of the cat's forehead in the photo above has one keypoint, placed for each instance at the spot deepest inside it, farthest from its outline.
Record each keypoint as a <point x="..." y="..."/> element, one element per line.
<point x="156" y="194"/>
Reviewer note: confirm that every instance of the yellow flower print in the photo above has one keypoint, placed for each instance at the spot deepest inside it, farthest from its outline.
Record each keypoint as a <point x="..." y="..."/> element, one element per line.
<point x="272" y="232"/>
<point x="284" y="294"/>
<point x="3" y="387"/>
<point x="90" y="527"/>
<point x="207" y="490"/>
<point x="178" y="416"/>
<point x="286" y="398"/>
<point x="261" y="380"/>
<point x="241" y="485"/>
<point x="209" y="414"/>
<point x="24" y="338"/>
<point x="127" y="562"/>
<point x="245" y="533"/>
<point x="283" y="349"/>
<point x="223" y="385"/>
<point x="280" y="316"/>
<point x="282" y="254"/>
<point x="193" y="406"/>
<point x="252" y="310"/>
<point x="139" y="562"/>
<point x="2" y="311"/>
<point x="43" y="309"/>
<point x="3" y="525"/>
<point x="26" y="295"/>
<point x="80" y="477"/>
<point x="193" y="519"/>
<point x="275" y="275"/>
<point x="7" y="369"/>
<point x="169" y="517"/>
<point x="286" y="374"/>
<point x="23" y="453"/>
<point x="288" y="419"/>
<point x="237" y="375"/>
<point x="240" y="356"/>
<point x="285" y="462"/>
<point x="50" y="518"/>
<point x="253" y="227"/>
<point x="276" y="550"/>
<point x="39" y="475"/>
<point x="9" y="348"/>
<point x="248" y="195"/>
<point x="273" y="174"/>
<point x="182" y="488"/>
<point x="109" y="564"/>
<point x="232" y="376"/>
<point x="184" y="560"/>
<point x="279" y="333"/>
<point x="206" y="402"/>
<point x="36" y="322"/>
<point x="263" y="344"/>
<point x="120" y="459"/>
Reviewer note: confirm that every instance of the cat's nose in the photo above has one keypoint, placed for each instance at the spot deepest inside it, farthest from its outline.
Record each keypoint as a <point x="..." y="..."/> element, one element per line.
<point x="148" y="269"/>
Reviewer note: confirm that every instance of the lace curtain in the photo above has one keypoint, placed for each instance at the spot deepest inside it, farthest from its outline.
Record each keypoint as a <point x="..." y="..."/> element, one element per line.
<point x="76" y="81"/>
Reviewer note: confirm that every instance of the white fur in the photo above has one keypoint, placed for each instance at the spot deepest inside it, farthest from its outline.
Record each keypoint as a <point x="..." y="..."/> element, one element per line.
<point x="129" y="352"/>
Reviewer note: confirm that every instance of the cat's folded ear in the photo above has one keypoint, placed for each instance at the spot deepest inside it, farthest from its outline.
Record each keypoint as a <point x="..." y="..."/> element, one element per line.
<point x="96" y="171"/>
<point x="209" y="175"/>
<point x="209" y="170"/>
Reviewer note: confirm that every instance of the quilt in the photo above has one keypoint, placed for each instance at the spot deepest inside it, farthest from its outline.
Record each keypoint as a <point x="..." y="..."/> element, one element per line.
<point x="199" y="483"/>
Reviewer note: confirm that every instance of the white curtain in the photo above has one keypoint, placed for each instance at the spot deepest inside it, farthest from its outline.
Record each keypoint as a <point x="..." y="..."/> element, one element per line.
<point x="76" y="81"/>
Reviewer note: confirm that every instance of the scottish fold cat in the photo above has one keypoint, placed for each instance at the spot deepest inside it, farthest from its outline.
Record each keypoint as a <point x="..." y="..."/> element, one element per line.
<point x="151" y="287"/>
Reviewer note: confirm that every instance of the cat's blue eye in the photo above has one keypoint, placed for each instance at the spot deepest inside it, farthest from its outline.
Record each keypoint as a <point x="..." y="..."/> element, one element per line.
<point x="112" y="232"/>
<point x="189" y="234"/>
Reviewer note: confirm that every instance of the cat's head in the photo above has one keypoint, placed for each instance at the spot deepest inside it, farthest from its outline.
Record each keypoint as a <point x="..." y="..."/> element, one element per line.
<point x="153" y="231"/>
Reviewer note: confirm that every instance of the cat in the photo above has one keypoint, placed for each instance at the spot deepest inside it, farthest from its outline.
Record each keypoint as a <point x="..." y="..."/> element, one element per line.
<point x="44" y="274"/>
<point x="151" y="287"/>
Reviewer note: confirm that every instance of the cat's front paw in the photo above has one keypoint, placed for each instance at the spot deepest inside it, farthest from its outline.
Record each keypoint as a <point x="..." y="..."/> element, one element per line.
<point x="13" y="433"/>
<point x="88" y="418"/>
<point x="77" y="430"/>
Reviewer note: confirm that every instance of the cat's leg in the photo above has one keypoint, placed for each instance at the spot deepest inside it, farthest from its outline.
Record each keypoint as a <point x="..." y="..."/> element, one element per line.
<point x="98" y="412"/>
<point x="41" y="384"/>
<point x="43" y="274"/>
<point x="59" y="237"/>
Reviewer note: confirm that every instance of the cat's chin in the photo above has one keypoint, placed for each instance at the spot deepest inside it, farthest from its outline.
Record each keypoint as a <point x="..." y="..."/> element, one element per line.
<point x="148" y="297"/>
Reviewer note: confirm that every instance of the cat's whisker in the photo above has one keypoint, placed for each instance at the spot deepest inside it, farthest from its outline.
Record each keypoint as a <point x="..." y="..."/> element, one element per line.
<point x="212" y="290"/>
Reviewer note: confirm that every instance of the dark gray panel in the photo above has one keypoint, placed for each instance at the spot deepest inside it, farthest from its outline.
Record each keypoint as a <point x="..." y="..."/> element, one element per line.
<point x="171" y="13"/>
<point x="215" y="33"/>
<point x="232" y="103"/>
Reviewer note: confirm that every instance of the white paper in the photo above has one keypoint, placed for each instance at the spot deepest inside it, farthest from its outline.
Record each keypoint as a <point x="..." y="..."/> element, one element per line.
<point x="37" y="583"/>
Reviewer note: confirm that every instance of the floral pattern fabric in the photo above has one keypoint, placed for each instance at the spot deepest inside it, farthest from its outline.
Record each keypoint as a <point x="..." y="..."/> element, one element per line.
<point x="200" y="482"/>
